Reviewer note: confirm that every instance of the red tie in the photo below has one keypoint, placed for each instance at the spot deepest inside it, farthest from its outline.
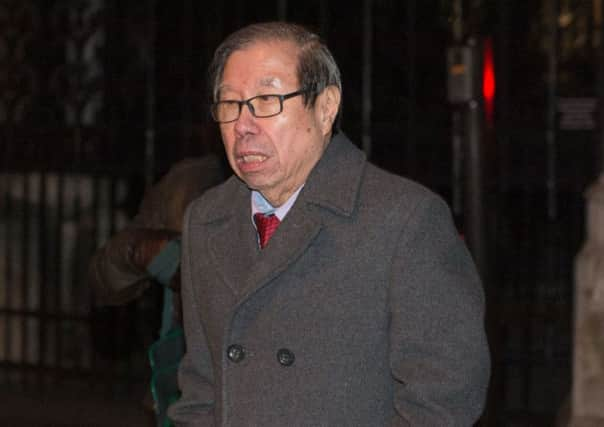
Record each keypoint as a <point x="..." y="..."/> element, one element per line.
<point x="266" y="225"/>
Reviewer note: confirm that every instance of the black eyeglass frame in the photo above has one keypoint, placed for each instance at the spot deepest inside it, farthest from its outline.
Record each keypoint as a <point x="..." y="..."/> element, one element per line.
<point x="248" y="102"/>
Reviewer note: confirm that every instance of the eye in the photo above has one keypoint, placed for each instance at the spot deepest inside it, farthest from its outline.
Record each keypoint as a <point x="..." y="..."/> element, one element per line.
<point x="265" y="98"/>
<point x="227" y="104"/>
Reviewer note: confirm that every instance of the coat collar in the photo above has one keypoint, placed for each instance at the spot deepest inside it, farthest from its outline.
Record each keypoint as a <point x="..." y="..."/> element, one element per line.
<point x="335" y="181"/>
<point x="333" y="185"/>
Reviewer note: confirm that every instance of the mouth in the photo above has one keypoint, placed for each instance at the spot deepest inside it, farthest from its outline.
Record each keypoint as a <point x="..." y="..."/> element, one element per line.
<point x="252" y="158"/>
<point x="251" y="162"/>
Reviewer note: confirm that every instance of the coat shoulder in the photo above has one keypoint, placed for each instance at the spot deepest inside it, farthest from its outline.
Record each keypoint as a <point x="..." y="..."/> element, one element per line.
<point x="394" y="193"/>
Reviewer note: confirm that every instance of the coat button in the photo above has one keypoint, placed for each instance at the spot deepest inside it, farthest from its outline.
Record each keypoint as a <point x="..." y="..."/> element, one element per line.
<point x="235" y="353"/>
<point x="285" y="357"/>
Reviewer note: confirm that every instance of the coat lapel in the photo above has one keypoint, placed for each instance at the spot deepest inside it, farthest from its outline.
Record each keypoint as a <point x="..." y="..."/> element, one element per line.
<point x="333" y="186"/>
<point x="231" y="238"/>
<point x="297" y="231"/>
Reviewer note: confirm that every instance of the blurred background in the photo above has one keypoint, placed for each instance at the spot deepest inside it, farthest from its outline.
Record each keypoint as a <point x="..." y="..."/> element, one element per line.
<point x="491" y="103"/>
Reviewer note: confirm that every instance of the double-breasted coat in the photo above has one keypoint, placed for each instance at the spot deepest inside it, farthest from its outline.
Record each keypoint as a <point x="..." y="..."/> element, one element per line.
<point x="365" y="308"/>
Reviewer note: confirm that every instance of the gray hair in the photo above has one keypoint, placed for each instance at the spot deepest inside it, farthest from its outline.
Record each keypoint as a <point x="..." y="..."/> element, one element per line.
<point x="317" y="69"/>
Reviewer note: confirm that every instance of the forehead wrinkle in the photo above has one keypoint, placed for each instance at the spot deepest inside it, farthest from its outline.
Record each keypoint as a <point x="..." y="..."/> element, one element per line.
<point x="269" y="80"/>
<point x="272" y="82"/>
<point x="265" y="82"/>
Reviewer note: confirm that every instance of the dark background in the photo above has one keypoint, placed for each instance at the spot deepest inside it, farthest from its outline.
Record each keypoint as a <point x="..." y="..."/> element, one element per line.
<point x="99" y="97"/>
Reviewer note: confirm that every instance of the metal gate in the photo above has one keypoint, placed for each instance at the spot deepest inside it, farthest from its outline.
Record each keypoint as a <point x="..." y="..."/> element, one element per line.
<point x="67" y="182"/>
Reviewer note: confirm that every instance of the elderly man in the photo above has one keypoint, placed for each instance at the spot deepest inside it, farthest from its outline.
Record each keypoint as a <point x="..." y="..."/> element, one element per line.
<point x="364" y="307"/>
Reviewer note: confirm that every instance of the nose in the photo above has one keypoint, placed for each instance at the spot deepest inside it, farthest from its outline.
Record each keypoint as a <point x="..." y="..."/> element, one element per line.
<point x="246" y="123"/>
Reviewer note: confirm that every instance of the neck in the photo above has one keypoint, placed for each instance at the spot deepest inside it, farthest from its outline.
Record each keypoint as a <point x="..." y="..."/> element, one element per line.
<point x="277" y="199"/>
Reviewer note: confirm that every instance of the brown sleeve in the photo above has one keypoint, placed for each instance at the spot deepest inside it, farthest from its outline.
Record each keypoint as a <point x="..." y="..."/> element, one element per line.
<point x="114" y="274"/>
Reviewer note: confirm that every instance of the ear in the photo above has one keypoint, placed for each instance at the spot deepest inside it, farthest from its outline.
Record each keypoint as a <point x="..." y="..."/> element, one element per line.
<point x="327" y="105"/>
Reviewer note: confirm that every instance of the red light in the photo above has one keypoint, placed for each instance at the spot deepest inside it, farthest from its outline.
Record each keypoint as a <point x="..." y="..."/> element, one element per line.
<point x="488" y="79"/>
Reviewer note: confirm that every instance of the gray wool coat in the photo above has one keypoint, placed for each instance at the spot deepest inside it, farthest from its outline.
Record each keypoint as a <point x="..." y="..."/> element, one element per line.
<point x="365" y="308"/>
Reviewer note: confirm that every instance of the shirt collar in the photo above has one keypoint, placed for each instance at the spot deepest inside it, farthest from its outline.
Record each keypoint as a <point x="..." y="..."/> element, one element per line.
<point x="260" y="204"/>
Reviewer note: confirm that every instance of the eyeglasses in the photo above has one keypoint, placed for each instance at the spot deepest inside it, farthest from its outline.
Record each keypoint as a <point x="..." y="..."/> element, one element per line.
<point x="260" y="106"/>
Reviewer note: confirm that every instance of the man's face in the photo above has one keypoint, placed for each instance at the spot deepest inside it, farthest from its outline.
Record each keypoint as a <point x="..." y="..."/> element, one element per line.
<point x="272" y="155"/>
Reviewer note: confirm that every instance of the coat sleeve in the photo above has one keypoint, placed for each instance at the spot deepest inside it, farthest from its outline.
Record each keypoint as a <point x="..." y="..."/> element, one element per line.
<point x="439" y="355"/>
<point x="195" y="407"/>
<point x="113" y="276"/>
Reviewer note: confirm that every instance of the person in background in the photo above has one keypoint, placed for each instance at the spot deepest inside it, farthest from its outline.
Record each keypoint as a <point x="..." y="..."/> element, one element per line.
<point x="147" y="251"/>
<point x="318" y="289"/>
<point x="122" y="269"/>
